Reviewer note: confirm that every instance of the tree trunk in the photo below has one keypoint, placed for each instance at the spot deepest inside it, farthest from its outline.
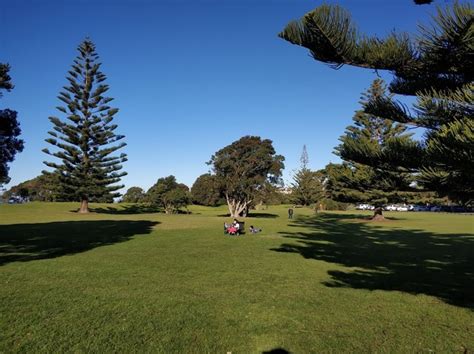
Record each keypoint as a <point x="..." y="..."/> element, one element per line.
<point x="378" y="214"/>
<point x="169" y="209"/>
<point x="242" y="208"/>
<point x="84" y="206"/>
<point x="236" y="208"/>
<point x="229" y="205"/>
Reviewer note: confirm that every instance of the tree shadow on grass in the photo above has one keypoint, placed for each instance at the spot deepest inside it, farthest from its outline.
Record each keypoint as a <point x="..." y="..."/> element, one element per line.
<point x="262" y="215"/>
<point x="27" y="242"/>
<point x="254" y="215"/>
<point x="361" y="217"/>
<point x="132" y="209"/>
<point x="127" y="210"/>
<point x="276" y="351"/>
<point x="408" y="260"/>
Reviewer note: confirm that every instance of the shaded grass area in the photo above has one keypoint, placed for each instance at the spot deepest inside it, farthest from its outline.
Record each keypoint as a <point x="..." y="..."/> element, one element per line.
<point x="409" y="260"/>
<point x="257" y="215"/>
<point x="127" y="209"/>
<point x="26" y="242"/>
<point x="126" y="282"/>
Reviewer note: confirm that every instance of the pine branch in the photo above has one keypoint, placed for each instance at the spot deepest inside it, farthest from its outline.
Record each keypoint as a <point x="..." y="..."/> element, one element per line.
<point x="332" y="38"/>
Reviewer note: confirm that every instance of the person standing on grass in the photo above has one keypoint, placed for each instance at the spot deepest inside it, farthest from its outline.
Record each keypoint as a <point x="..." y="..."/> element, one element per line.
<point x="290" y="213"/>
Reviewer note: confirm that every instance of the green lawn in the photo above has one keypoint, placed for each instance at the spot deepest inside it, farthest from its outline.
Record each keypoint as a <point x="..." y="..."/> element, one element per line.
<point x="131" y="281"/>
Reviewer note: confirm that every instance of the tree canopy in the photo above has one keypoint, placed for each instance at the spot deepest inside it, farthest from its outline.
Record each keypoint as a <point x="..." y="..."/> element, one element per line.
<point x="42" y="188"/>
<point x="243" y="168"/>
<point x="307" y="188"/>
<point x="10" y="143"/>
<point x="207" y="190"/>
<point x="436" y="66"/>
<point x="5" y="79"/>
<point x="84" y="142"/>
<point x="134" y="195"/>
<point x="168" y="194"/>
<point x="365" y="148"/>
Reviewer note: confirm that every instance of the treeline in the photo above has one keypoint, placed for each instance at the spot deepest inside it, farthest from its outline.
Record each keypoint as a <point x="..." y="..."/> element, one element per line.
<point x="382" y="161"/>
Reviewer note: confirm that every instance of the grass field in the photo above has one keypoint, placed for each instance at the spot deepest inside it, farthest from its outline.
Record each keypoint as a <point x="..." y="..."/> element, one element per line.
<point x="124" y="280"/>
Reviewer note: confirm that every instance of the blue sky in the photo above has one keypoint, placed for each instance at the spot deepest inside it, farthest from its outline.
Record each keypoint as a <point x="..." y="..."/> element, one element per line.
<point x="189" y="77"/>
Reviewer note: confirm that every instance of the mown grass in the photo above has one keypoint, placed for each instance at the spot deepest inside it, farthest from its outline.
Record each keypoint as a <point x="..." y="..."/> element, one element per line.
<point x="130" y="280"/>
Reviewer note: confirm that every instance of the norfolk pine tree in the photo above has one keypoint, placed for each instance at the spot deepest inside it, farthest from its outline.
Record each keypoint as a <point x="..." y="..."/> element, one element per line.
<point x="367" y="177"/>
<point x="304" y="159"/>
<point x="307" y="187"/>
<point x="437" y="67"/>
<point x="87" y="170"/>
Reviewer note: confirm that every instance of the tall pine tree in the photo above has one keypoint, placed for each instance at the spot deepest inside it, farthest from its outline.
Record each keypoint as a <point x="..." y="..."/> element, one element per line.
<point x="304" y="159"/>
<point x="437" y="67"/>
<point x="366" y="176"/>
<point x="85" y="140"/>
<point x="307" y="187"/>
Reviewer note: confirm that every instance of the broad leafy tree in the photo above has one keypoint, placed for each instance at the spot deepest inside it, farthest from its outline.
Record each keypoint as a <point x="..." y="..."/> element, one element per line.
<point x="5" y="79"/>
<point x="243" y="168"/>
<point x="42" y="188"/>
<point x="269" y="194"/>
<point x="436" y="66"/>
<point x="85" y="141"/>
<point x="207" y="190"/>
<point x="169" y="195"/>
<point x="10" y="143"/>
<point x="134" y="195"/>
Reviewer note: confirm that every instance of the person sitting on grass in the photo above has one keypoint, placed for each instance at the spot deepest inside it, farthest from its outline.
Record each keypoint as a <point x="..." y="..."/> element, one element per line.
<point x="254" y="230"/>
<point x="236" y="224"/>
<point x="233" y="229"/>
